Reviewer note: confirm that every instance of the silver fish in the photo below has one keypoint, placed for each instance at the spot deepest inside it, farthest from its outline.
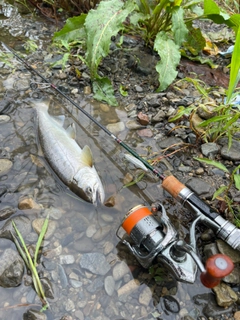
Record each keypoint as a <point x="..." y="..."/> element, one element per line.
<point x="73" y="165"/>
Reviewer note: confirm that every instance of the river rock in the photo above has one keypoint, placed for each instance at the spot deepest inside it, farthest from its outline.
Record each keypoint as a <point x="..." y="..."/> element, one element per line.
<point x="95" y="262"/>
<point x="6" y="212"/>
<point x="120" y="270"/>
<point x="210" y="149"/>
<point x="28" y="203"/>
<point x="116" y="127"/>
<point x="232" y="153"/>
<point x="133" y="124"/>
<point x="109" y="285"/>
<point x="159" y="116"/>
<point x="200" y="187"/>
<point x="143" y="119"/>
<point x="32" y="314"/>
<point x="101" y="233"/>
<point x="11" y="269"/>
<point x="37" y="225"/>
<point x="23" y="225"/>
<point x="83" y="245"/>
<point x="224" y="248"/>
<point x="172" y="143"/>
<point x="127" y="289"/>
<point x="225" y="296"/>
<point x="5" y="166"/>
<point x="145" y="296"/>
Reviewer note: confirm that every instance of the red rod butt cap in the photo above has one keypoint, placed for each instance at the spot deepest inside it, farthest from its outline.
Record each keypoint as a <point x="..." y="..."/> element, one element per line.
<point x="217" y="267"/>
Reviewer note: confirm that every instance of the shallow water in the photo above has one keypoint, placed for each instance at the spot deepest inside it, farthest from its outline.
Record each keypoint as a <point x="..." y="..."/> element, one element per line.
<point x="30" y="176"/>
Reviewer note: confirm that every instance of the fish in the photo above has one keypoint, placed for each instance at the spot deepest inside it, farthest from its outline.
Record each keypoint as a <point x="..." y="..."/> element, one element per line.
<point x="71" y="163"/>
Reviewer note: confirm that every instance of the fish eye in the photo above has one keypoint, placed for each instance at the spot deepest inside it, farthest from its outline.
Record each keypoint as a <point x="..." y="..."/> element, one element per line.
<point x="89" y="190"/>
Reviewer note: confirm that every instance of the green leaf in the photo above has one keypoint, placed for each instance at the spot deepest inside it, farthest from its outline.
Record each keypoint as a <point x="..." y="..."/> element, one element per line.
<point x="179" y="28"/>
<point x="213" y="119"/>
<point x="103" y="91"/>
<point x="123" y="91"/>
<point x="72" y="30"/>
<point x="216" y="164"/>
<point x="180" y="112"/>
<point x="101" y="24"/>
<point x="210" y="7"/>
<point x="195" y="41"/>
<point x="199" y="59"/>
<point x="219" y="191"/>
<point x="235" y="67"/>
<point x="170" y="58"/>
<point x="40" y="239"/>
<point x="237" y="180"/>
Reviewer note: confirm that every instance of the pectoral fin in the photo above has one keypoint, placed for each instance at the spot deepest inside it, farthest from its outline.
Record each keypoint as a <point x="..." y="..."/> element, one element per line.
<point x="59" y="119"/>
<point x="86" y="156"/>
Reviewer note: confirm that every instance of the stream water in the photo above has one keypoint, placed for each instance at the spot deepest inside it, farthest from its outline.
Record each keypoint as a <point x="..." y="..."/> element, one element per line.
<point x="80" y="228"/>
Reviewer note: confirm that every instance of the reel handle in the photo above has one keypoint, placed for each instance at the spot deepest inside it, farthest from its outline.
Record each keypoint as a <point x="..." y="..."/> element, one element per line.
<point x="217" y="267"/>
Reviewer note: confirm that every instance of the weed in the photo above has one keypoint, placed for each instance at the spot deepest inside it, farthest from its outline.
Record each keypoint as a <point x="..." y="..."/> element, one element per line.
<point x="31" y="263"/>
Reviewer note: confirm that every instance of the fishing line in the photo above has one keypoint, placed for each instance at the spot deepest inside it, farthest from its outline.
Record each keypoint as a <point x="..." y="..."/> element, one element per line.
<point x="109" y="133"/>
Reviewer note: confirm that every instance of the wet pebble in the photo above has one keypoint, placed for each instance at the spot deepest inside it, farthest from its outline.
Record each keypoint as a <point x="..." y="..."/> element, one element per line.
<point x="108" y="247"/>
<point x="171" y="304"/>
<point x="91" y="230"/>
<point x="145" y="133"/>
<point x="143" y="119"/>
<point x="107" y="217"/>
<point x="119" y="270"/>
<point x="83" y="245"/>
<point x="96" y="285"/>
<point x="37" y="225"/>
<point x="28" y="203"/>
<point x="66" y="259"/>
<point x="23" y="225"/>
<point x="95" y="262"/>
<point x="5" y="166"/>
<point x="4" y="118"/>
<point x="101" y="233"/>
<point x="116" y="127"/>
<point x="6" y="212"/>
<point x="127" y="289"/>
<point x="201" y="187"/>
<point x="133" y="125"/>
<point x="62" y="276"/>
<point x="172" y="143"/>
<point x="54" y="213"/>
<point x="32" y="314"/>
<point x="109" y="285"/>
<point x="75" y="283"/>
<point x="69" y="305"/>
<point x="52" y="253"/>
<point x="145" y="296"/>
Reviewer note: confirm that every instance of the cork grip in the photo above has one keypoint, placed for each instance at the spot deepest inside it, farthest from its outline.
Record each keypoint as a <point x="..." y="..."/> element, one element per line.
<point x="172" y="186"/>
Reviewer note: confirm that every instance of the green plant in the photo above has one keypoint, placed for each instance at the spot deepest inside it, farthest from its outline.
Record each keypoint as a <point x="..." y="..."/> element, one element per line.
<point x="163" y="24"/>
<point x="224" y="190"/>
<point x="30" y="262"/>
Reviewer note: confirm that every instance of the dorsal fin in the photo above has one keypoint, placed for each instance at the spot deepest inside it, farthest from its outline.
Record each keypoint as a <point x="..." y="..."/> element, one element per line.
<point x="86" y="156"/>
<point x="71" y="130"/>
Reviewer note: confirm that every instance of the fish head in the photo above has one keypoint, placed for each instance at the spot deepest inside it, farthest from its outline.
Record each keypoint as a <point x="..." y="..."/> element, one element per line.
<point x="88" y="185"/>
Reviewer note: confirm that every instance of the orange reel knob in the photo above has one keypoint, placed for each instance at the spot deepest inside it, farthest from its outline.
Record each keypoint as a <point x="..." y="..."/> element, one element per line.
<point x="217" y="267"/>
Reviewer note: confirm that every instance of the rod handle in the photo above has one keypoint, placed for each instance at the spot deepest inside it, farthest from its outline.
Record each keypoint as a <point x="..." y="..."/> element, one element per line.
<point x="217" y="267"/>
<point x="173" y="186"/>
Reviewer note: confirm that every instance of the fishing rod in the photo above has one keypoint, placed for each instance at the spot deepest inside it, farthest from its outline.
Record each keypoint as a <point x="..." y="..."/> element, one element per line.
<point x="169" y="241"/>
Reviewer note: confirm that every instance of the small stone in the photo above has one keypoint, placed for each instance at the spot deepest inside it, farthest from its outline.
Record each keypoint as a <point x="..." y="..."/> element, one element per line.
<point x="91" y="230"/>
<point x="108" y="247"/>
<point x="37" y="225"/>
<point x="69" y="305"/>
<point x="133" y="125"/>
<point x="107" y="217"/>
<point x="116" y="127"/>
<point x="145" y="296"/>
<point x="87" y="90"/>
<point x="232" y="153"/>
<point x="53" y="252"/>
<point x="128" y="288"/>
<point x="62" y="76"/>
<point x="110" y="202"/>
<point x="145" y="133"/>
<point x="127" y="178"/>
<point x="143" y="119"/>
<point x="199" y="171"/>
<point x="109" y="285"/>
<point x="4" y="118"/>
<point x="28" y="203"/>
<point x="95" y="262"/>
<point x="210" y="149"/>
<point x="120" y="270"/>
<point x="66" y="259"/>
<point x="225" y="295"/>
<point x="226" y="249"/>
<point x="159" y="116"/>
<point x="104" y="107"/>
<point x="138" y="88"/>
<point x="74" y="91"/>
<point x="5" y="166"/>
<point x="32" y="314"/>
<point x="101" y="233"/>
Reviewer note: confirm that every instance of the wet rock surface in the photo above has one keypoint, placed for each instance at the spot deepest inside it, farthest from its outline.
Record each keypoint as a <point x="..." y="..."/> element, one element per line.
<point x="93" y="276"/>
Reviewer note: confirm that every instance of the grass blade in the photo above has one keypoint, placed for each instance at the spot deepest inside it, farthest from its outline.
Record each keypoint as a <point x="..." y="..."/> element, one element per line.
<point x="40" y="239"/>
